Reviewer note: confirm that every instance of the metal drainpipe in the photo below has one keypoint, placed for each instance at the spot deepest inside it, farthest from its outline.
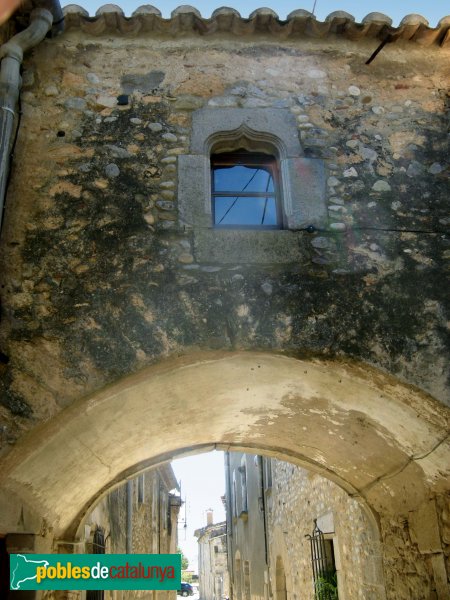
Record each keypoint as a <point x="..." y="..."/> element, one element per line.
<point x="11" y="56"/>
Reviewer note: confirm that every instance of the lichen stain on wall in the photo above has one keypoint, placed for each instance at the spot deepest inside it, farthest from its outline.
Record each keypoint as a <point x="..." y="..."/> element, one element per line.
<point x="99" y="279"/>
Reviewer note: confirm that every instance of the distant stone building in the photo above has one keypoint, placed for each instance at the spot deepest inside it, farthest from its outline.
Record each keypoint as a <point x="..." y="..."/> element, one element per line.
<point x="213" y="560"/>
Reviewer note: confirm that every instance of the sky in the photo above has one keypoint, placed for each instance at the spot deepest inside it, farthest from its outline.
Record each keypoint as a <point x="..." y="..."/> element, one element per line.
<point x="433" y="10"/>
<point x="202" y="484"/>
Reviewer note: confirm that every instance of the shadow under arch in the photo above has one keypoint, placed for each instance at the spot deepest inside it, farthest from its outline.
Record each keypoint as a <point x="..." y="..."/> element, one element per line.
<point x="75" y="531"/>
<point x="380" y="440"/>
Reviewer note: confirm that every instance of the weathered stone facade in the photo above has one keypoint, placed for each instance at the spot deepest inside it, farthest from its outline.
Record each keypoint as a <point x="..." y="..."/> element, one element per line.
<point x="92" y="249"/>
<point x="101" y="278"/>
<point x="213" y="562"/>
<point x="140" y="517"/>
<point x="153" y="513"/>
<point x="247" y="533"/>
<point x="296" y="498"/>
<point x="271" y="516"/>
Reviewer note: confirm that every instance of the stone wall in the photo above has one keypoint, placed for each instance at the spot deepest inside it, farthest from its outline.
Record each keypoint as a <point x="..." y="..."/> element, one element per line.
<point x="416" y="551"/>
<point x="213" y="562"/>
<point x="99" y="279"/>
<point x="297" y="498"/>
<point x="151" y="532"/>
<point x="376" y="560"/>
<point x="363" y="559"/>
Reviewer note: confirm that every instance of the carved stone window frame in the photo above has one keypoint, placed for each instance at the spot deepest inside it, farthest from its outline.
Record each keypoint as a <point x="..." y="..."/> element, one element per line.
<point x="303" y="183"/>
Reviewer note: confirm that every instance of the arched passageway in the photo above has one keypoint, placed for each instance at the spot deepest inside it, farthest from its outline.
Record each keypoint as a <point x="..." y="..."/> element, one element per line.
<point x="380" y="440"/>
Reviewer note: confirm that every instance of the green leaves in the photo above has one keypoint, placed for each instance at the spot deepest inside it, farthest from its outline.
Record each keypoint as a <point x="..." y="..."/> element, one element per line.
<point x="326" y="586"/>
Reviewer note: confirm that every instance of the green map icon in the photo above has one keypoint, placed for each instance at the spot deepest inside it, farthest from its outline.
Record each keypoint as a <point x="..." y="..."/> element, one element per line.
<point x="23" y="569"/>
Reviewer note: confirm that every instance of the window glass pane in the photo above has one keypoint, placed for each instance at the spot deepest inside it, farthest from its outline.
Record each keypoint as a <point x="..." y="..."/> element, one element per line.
<point x="245" y="210"/>
<point x="240" y="178"/>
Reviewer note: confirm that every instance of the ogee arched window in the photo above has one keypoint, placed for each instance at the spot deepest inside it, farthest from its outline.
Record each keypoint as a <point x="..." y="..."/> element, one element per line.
<point x="245" y="190"/>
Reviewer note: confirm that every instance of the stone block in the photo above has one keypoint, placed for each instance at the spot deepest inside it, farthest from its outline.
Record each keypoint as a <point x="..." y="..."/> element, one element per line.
<point x="304" y="187"/>
<point x="326" y="523"/>
<point x="277" y="122"/>
<point x="440" y="576"/>
<point x="17" y="543"/>
<point x="424" y="528"/>
<point x="244" y="246"/>
<point x="193" y="190"/>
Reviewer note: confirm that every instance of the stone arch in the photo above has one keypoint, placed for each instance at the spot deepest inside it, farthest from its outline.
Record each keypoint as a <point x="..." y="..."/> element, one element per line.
<point x="248" y="139"/>
<point x="380" y="440"/>
<point x="264" y="125"/>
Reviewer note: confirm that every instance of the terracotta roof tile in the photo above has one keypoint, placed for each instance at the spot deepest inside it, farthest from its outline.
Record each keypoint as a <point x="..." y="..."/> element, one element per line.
<point x="299" y="23"/>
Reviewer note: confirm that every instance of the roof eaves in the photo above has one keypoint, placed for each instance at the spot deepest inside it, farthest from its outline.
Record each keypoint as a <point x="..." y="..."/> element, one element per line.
<point x="300" y="23"/>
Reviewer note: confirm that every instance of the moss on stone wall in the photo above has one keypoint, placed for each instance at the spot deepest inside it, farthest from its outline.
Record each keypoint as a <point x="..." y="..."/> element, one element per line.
<point x="99" y="277"/>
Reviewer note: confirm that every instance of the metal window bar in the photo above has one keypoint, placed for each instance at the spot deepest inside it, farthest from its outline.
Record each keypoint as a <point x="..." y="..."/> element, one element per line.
<point x="249" y="159"/>
<point x="238" y="196"/>
<point x="322" y="566"/>
<point x="98" y="547"/>
<point x="98" y="542"/>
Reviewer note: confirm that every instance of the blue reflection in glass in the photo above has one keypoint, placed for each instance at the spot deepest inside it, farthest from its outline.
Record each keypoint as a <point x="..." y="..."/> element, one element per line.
<point x="245" y="210"/>
<point x="241" y="178"/>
